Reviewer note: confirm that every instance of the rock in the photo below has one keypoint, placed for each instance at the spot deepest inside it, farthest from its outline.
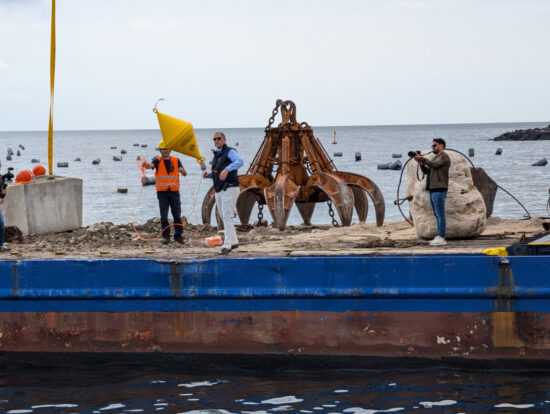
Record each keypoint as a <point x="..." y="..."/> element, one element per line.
<point x="117" y="158"/>
<point x="8" y="157"/>
<point x="113" y="147"/>
<point x="122" y="190"/>
<point x="96" y="161"/>
<point x="143" y="145"/>
<point x="35" y="160"/>
<point x="123" y="151"/>
<point x="337" y="154"/>
<point x="471" y="152"/>
<point x="498" y="151"/>
<point x="533" y="134"/>
<point x="357" y="156"/>
<point x="77" y="159"/>
<point x="396" y="155"/>
<point x="136" y="145"/>
<point x="464" y="208"/>
<point x="149" y="181"/>
<point x="540" y="163"/>
<point x="18" y="153"/>
<point x="62" y="164"/>
<point x="385" y="166"/>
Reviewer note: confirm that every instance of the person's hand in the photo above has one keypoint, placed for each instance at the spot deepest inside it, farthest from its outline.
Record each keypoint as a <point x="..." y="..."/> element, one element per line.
<point x="183" y="172"/>
<point x="142" y="180"/>
<point x="223" y="174"/>
<point x="204" y="174"/>
<point x="417" y="157"/>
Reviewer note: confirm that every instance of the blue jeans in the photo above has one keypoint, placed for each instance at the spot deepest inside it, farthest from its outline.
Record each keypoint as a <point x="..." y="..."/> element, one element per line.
<point x="2" y="229"/>
<point x="437" y="200"/>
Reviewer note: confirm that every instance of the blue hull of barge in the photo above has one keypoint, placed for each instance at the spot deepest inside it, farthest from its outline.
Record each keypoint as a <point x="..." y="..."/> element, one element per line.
<point x="478" y="307"/>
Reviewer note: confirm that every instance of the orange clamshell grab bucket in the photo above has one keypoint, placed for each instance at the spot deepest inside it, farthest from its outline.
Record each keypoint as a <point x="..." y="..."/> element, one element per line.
<point x="178" y="135"/>
<point x="23" y="177"/>
<point x="213" y="241"/>
<point x="39" y="170"/>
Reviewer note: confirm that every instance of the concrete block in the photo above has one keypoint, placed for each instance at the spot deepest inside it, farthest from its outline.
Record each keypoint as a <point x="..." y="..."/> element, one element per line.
<point x="44" y="206"/>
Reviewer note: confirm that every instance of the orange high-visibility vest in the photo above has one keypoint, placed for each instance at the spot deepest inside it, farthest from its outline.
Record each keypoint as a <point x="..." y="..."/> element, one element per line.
<point x="168" y="180"/>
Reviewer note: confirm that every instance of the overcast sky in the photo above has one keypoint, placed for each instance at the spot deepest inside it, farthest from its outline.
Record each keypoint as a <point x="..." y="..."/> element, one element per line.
<point x="224" y="63"/>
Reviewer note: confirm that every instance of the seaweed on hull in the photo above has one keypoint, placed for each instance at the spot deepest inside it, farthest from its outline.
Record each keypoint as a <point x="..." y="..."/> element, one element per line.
<point x="532" y="134"/>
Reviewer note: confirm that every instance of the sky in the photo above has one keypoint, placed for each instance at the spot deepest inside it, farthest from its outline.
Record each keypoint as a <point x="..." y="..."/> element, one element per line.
<point x="225" y="63"/>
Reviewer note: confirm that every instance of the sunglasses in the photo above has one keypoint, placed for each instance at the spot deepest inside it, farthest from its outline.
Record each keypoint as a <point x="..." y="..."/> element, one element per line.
<point x="434" y="145"/>
<point x="217" y="138"/>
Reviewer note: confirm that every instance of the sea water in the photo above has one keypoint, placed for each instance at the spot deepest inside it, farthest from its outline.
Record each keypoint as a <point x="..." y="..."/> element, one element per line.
<point x="512" y="170"/>
<point x="117" y="390"/>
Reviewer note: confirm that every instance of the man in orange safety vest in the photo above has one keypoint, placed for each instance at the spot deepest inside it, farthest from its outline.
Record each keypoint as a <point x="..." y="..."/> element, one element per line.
<point x="167" y="171"/>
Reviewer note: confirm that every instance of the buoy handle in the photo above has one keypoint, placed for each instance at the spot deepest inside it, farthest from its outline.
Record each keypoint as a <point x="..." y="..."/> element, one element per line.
<point x="155" y="110"/>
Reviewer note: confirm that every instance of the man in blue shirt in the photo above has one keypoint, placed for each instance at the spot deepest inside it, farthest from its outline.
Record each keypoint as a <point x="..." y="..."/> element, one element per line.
<point x="225" y="164"/>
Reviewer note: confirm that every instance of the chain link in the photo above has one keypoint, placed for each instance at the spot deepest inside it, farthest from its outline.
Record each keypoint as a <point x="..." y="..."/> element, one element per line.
<point x="260" y="214"/>
<point x="331" y="213"/>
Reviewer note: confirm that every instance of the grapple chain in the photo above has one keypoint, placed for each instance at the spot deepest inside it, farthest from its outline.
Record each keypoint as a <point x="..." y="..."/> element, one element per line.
<point x="274" y="113"/>
<point x="331" y="213"/>
<point x="260" y="213"/>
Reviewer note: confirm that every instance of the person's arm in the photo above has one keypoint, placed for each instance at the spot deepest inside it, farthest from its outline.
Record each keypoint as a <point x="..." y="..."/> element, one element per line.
<point x="437" y="162"/>
<point x="181" y="169"/>
<point x="151" y="165"/>
<point x="236" y="163"/>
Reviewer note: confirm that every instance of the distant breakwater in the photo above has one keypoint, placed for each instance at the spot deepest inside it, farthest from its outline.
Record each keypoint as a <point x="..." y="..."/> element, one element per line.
<point x="532" y="134"/>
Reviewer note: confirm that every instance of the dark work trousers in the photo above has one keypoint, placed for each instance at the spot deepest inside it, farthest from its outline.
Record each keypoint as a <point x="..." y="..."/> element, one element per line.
<point x="170" y="199"/>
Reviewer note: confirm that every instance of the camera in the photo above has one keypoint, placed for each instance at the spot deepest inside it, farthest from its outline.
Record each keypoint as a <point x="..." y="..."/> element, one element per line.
<point x="4" y="179"/>
<point x="413" y="153"/>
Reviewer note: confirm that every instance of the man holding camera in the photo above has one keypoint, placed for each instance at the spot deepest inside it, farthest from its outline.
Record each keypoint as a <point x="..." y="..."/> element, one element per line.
<point x="437" y="183"/>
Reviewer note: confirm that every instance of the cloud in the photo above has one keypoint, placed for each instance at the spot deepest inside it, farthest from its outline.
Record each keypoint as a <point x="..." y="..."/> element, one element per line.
<point x="141" y="25"/>
<point x="18" y="97"/>
<point x="4" y="66"/>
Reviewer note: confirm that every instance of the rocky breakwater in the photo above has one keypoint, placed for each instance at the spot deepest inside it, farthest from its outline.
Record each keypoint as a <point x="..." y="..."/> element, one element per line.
<point x="533" y="134"/>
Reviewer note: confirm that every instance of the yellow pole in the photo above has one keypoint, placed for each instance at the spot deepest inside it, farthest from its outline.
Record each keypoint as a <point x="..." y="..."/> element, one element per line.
<point x="52" y="77"/>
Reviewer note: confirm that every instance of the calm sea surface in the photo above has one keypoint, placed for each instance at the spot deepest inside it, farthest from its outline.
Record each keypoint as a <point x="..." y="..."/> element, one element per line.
<point x="376" y="144"/>
<point x="116" y="390"/>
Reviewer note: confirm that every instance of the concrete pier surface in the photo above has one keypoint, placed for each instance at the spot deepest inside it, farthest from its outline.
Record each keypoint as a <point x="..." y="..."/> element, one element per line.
<point x="107" y="240"/>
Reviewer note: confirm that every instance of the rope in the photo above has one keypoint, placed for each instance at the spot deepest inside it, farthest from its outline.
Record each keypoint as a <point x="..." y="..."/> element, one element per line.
<point x="52" y="78"/>
<point x="400" y="201"/>
<point x="141" y="161"/>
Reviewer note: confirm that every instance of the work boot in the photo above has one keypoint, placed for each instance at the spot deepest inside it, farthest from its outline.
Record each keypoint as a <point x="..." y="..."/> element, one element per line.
<point x="165" y="240"/>
<point x="178" y="239"/>
<point x="225" y="250"/>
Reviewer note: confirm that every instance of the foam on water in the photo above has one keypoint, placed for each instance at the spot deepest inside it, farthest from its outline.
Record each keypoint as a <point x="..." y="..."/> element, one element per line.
<point x="429" y="404"/>
<point x="521" y="406"/>
<point x="283" y="400"/>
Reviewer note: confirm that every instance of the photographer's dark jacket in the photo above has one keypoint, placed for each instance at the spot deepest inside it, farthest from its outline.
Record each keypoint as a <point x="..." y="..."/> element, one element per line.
<point x="437" y="170"/>
<point x="219" y="163"/>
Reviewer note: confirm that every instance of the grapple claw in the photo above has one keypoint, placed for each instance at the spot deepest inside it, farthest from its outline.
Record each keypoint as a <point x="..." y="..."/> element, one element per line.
<point x="304" y="175"/>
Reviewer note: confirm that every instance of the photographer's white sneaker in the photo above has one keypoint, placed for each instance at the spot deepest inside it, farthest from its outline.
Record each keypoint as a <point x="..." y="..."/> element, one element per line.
<point x="438" y="241"/>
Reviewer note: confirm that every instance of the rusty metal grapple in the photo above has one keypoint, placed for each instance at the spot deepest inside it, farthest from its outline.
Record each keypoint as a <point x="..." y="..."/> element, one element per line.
<point x="292" y="167"/>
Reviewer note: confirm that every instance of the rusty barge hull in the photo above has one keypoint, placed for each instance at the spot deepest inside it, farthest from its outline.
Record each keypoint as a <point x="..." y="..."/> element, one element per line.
<point x="437" y="307"/>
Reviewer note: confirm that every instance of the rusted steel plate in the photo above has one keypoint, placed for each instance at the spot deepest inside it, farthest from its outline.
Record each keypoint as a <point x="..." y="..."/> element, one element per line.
<point x="435" y="335"/>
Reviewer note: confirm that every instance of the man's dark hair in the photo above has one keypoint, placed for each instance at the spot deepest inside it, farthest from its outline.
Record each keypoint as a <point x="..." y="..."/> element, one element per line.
<point x="440" y="141"/>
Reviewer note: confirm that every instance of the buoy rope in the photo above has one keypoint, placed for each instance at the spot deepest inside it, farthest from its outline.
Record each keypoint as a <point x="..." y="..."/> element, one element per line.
<point x="141" y="161"/>
<point x="400" y="201"/>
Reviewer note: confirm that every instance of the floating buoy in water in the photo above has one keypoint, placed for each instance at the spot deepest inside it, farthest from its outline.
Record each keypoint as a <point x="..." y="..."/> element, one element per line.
<point x="470" y="152"/>
<point x="117" y="158"/>
<point x="63" y="164"/>
<point x="396" y="155"/>
<point x="34" y="160"/>
<point x="499" y="151"/>
<point x="357" y="156"/>
<point x="123" y="151"/>
<point x="39" y="170"/>
<point x="122" y="190"/>
<point x="540" y="163"/>
<point x="77" y="159"/>
<point x="149" y="181"/>
<point x="96" y="161"/>
<point x="337" y="154"/>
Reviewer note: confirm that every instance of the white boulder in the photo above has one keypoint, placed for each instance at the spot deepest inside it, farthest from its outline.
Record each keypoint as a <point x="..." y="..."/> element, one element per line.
<point x="464" y="206"/>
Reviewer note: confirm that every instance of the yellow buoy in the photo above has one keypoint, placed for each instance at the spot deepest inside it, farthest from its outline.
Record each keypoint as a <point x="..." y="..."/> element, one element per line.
<point x="178" y="135"/>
